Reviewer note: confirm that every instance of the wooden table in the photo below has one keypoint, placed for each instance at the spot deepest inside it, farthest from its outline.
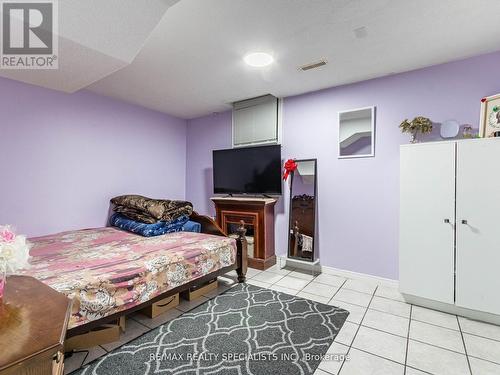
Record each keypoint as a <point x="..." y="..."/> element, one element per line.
<point x="33" y="322"/>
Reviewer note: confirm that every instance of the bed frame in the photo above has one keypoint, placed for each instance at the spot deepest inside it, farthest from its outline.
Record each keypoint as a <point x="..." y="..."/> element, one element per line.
<point x="208" y="226"/>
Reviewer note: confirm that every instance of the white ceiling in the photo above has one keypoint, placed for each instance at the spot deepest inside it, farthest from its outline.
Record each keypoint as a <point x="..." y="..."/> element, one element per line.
<point x="192" y="64"/>
<point x="96" y="38"/>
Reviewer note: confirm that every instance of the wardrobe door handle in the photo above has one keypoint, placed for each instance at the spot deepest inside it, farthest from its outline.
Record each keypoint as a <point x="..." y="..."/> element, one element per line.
<point x="447" y="221"/>
<point x="464" y="222"/>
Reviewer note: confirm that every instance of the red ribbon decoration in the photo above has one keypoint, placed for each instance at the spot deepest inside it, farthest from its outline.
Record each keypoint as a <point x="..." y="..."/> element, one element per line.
<point x="290" y="166"/>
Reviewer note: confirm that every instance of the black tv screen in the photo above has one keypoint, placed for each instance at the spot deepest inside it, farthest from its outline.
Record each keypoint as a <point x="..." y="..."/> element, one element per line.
<point x="248" y="170"/>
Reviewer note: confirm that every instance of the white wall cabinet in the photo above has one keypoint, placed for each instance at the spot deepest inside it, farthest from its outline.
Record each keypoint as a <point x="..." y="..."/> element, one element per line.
<point x="450" y="223"/>
<point x="256" y="121"/>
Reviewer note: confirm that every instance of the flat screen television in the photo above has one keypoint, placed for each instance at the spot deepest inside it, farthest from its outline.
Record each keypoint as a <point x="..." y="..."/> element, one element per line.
<point x="248" y="170"/>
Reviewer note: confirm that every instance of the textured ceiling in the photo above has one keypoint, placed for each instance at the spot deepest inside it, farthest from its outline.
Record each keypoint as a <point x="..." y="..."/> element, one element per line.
<point x="96" y="38"/>
<point x="191" y="63"/>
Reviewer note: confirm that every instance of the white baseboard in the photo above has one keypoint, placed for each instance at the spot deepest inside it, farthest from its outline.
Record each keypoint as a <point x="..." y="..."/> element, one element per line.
<point x="351" y="274"/>
<point x="414" y="300"/>
<point x="361" y="276"/>
<point x="453" y="309"/>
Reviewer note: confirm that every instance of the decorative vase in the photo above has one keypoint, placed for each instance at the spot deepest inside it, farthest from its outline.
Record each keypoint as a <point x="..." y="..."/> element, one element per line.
<point x="413" y="136"/>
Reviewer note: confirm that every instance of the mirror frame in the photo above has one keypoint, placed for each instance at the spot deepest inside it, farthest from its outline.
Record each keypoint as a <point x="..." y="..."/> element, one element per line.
<point x="370" y="155"/>
<point x="315" y="210"/>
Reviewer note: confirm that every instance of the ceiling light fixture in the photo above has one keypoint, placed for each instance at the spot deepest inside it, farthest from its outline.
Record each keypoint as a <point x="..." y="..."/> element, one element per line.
<point x="258" y="59"/>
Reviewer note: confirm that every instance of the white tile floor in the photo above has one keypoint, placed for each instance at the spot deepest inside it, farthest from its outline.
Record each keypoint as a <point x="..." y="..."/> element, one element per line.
<point x="382" y="335"/>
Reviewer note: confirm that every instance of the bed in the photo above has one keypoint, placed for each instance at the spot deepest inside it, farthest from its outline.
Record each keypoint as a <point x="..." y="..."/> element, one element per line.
<point x="109" y="272"/>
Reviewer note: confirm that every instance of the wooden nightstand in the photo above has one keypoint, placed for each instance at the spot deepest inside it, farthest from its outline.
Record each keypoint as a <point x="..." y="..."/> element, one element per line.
<point x="33" y="322"/>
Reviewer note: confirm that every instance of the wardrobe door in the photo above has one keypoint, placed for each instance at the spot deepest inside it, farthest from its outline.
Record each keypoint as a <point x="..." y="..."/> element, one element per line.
<point x="478" y="225"/>
<point x="427" y="217"/>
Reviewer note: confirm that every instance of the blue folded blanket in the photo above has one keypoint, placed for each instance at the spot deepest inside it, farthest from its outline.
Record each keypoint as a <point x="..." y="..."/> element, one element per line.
<point x="148" y="230"/>
<point x="192" y="226"/>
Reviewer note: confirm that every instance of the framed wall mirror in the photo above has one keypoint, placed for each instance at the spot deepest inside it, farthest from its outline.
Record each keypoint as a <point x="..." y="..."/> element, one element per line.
<point x="357" y="133"/>
<point x="302" y="224"/>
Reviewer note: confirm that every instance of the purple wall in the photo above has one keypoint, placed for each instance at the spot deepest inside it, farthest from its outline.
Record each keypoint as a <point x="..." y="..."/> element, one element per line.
<point x="204" y="135"/>
<point x="65" y="155"/>
<point x="358" y="198"/>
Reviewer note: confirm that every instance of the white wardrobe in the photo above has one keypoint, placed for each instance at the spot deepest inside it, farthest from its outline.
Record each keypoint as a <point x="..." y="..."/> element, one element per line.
<point x="450" y="224"/>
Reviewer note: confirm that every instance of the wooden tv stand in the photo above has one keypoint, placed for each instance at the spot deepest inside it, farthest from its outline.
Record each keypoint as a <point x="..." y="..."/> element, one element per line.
<point x="258" y="215"/>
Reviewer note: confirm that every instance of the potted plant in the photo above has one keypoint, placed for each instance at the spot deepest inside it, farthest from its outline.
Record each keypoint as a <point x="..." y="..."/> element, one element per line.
<point x="418" y="125"/>
<point x="14" y="254"/>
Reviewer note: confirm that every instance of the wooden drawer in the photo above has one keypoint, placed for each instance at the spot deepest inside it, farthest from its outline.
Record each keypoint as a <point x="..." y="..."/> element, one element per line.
<point x="161" y="306"/>
<point x="34" y="366"/>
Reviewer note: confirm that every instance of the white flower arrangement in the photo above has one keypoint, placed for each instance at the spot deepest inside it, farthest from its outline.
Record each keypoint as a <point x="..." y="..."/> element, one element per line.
<point x="14" y="250"/>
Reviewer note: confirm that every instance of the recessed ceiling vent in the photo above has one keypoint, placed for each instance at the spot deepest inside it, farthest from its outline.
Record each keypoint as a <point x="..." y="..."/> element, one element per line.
<point x="361" y="32"/>
<point x="313" y="65"/>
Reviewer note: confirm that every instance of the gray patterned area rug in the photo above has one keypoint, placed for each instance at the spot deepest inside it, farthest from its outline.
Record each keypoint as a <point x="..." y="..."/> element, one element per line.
<point x="247" y="330"/>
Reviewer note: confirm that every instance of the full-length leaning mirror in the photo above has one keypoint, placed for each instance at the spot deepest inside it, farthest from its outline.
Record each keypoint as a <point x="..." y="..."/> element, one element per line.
<point x="302" y="227"/>
<point x="357" y="133"/>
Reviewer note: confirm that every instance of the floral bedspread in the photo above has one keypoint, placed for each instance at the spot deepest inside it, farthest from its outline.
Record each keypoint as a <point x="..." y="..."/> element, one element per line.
<point x="106" y="270"/>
